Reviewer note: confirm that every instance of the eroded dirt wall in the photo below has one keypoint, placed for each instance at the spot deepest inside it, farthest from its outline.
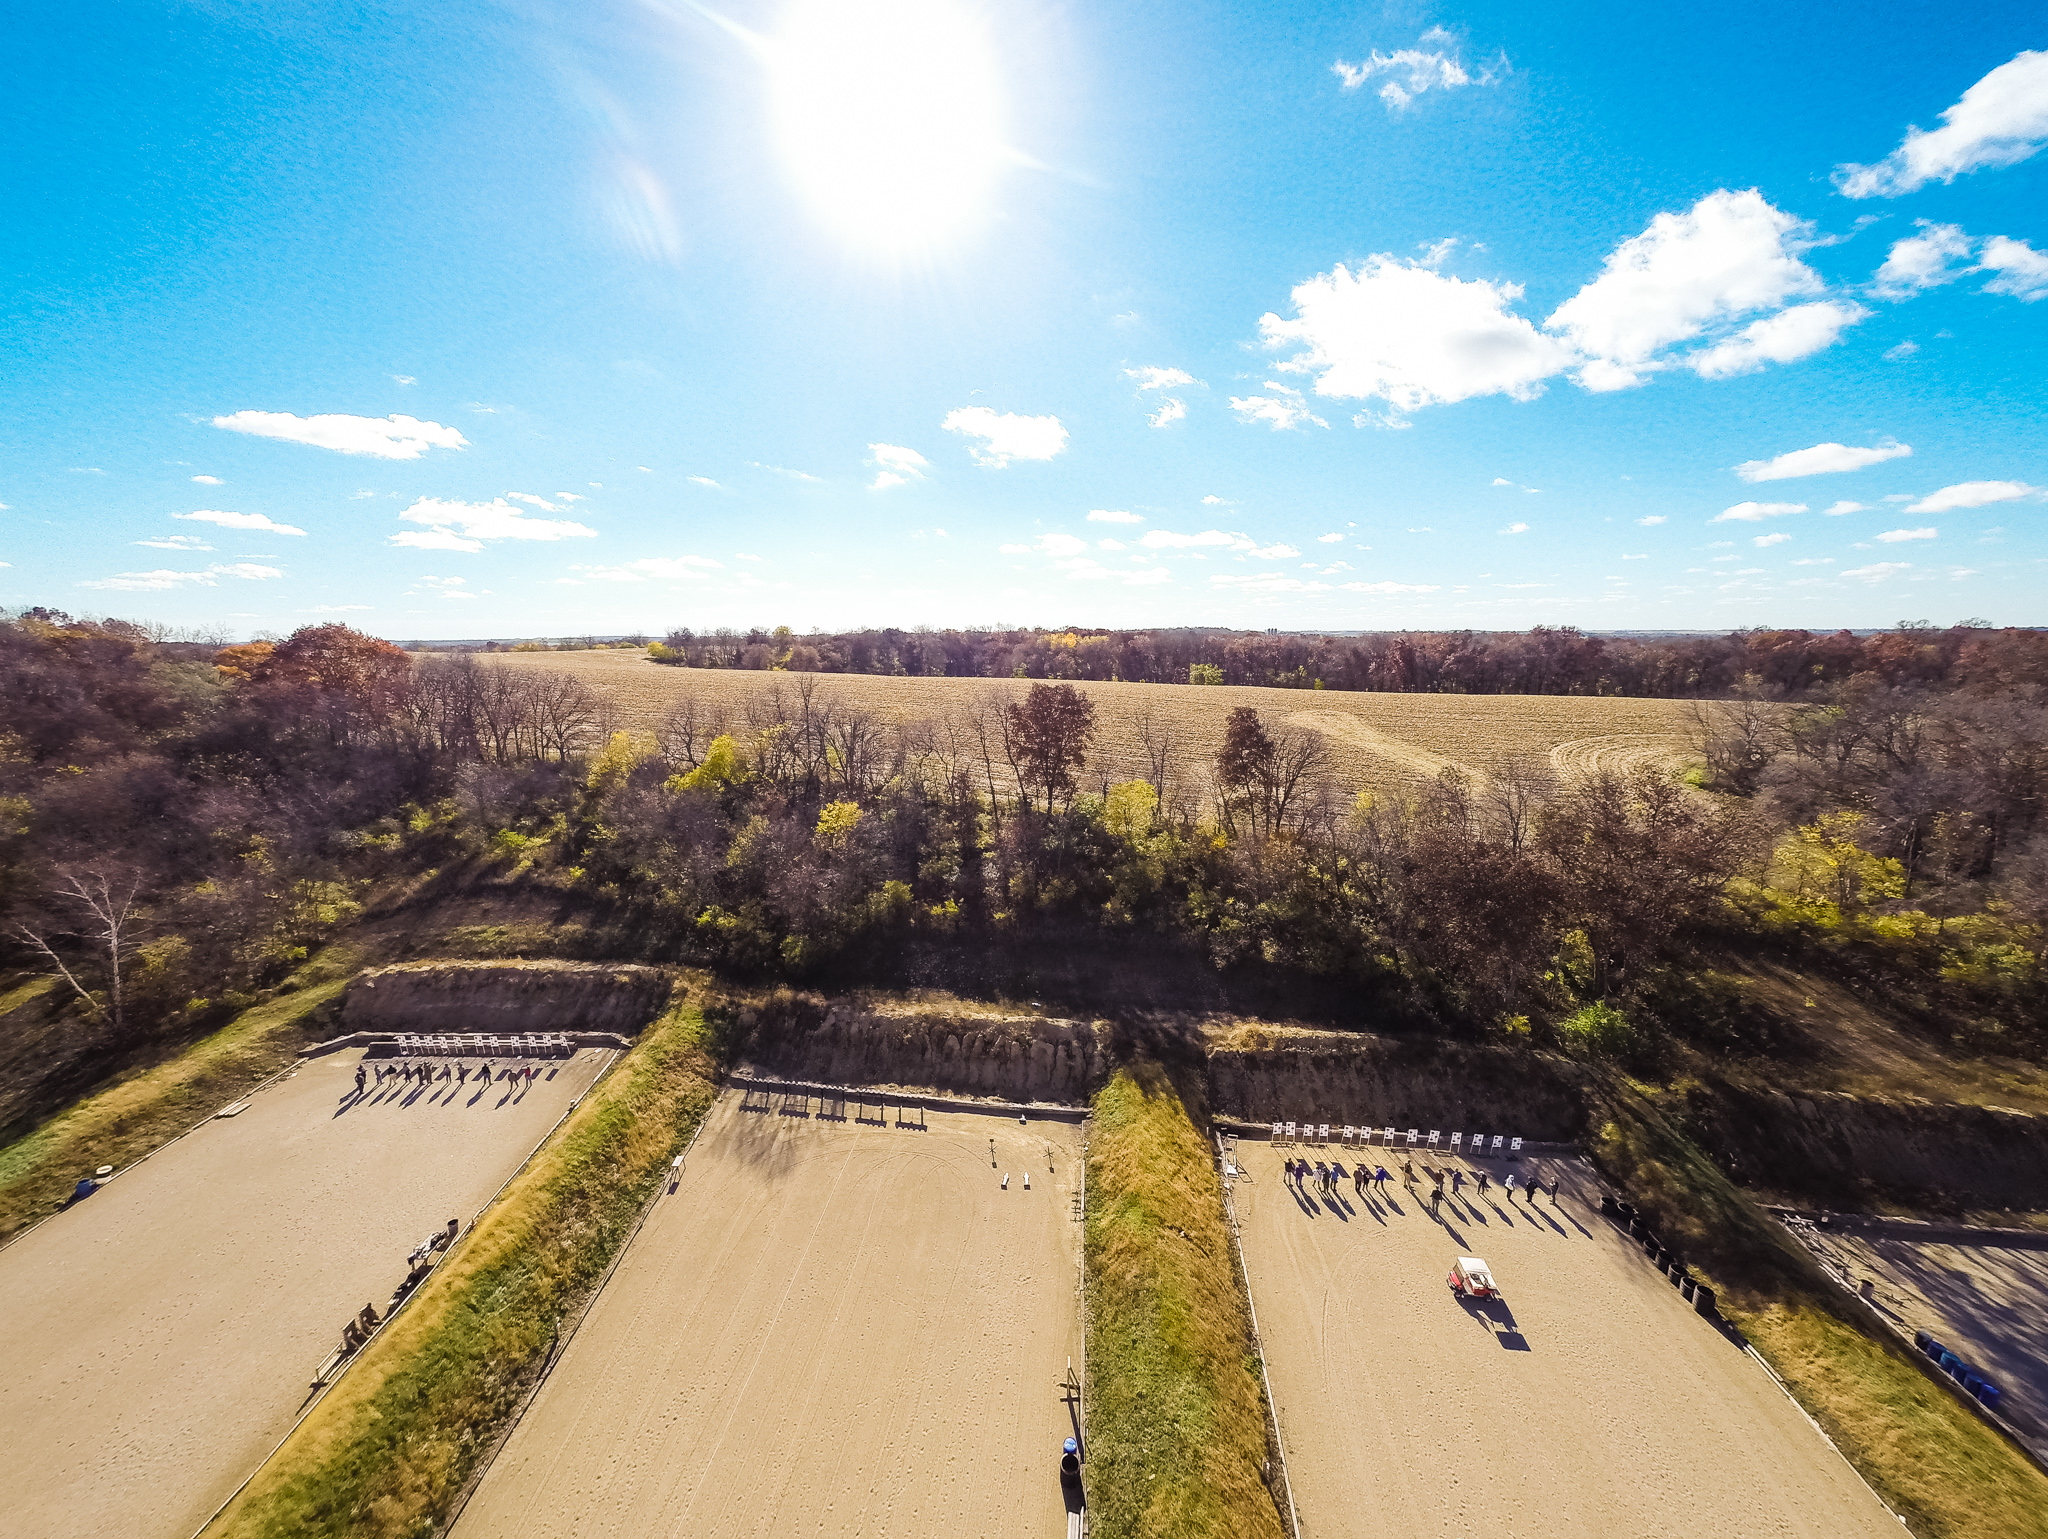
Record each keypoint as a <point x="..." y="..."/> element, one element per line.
<point x="505" y="997"/>
<point x="845" y="1042"/>
<point x="1379" y="1081"/>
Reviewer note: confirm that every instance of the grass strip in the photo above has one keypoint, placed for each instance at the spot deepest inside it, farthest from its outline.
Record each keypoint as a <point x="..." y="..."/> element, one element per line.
<point x="1931" y="1459"/>
<point x="388" y="1450"/>
<point x="1176" y="1416"/>
<point x="120" y="1124"/>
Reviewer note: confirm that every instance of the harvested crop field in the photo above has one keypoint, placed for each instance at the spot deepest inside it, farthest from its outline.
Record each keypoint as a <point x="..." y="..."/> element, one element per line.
<point x="1378" y="739"/>
<point x="159" y="1338"/>
<point x="830" y="1326"/>
<point x="1588" y="1399"/>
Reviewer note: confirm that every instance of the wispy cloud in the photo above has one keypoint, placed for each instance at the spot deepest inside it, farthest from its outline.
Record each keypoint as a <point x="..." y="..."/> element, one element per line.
<point x="1878" y="571"/>
<point x="1755" y="512"/>
<point x="1282" y="408"/>
<point x="159" y="581"/>
<point x="2022" y="271"/>
<point x="1208" y="539"/>
<point x="1974" y="494"/>
<point x="1431" y="65"/>
<point x="1999" y="121"/>
<point x="260" y="522"/>
<point x="1651" y="521"/>
<point x="1822" y="459"/>
<point x="651" y="568"/>
<point x="1516" y="529"/>
<point x="176" y="542"/>
<point x="1898" y="536"/>
<point x="895" y="465"/>
<point x="1113" y="516"/>
<point x="465" y="526"/>
<point x="387" y="438"/>
<point x="1763" y="541"/>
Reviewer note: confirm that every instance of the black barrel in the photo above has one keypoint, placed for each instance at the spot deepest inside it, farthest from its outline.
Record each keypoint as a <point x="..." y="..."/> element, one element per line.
<point x="1703" y="1300"/>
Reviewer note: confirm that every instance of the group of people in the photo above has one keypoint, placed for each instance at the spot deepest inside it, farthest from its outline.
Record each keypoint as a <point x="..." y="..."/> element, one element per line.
<point x="1327" y="1175"/>
<point x="426" y="1072"/>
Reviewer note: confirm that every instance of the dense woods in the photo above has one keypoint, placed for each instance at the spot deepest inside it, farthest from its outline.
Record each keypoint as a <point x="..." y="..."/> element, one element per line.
<point x="1544" y="661"/>
<point x="180" y="823"/>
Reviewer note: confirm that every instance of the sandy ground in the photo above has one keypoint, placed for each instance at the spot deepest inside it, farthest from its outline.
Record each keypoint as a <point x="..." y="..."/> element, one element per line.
<point x="830" y="1328"/>
<point x="159" y="1338"/>
<point x="1987" y="1305"/>
<point x="1590" y="1401"/>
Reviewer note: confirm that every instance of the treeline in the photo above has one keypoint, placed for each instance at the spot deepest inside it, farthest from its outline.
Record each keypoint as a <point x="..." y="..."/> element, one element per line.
<point x="1544" y="661"/>
<point x="177" y="830"/>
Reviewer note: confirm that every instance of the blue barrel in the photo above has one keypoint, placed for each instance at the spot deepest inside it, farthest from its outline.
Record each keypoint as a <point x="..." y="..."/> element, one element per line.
<point x="1950" y="1363"/>
<point x="1932" y="1348"/>
<point x="1070" y="1459"/>
<point x="1989" y="1394"/>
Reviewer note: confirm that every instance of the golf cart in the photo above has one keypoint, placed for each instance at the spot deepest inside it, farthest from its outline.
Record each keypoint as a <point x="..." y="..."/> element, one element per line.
<point x="1473" y="1278"/>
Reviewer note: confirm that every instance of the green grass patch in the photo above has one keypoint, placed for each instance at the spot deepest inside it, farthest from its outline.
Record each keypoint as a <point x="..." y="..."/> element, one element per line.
<point x="387" y="1452"/>
<point x="143" y="1111"/>
<point x="1176" y="1413"/>
<point x="1931" y="1459"/>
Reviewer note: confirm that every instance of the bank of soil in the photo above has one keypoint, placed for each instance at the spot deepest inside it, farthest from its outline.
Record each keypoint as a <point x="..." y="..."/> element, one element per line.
<point x="830" y="1327"/>
<point x="1590" y="1399"/>
<point x="160" y="1336"/>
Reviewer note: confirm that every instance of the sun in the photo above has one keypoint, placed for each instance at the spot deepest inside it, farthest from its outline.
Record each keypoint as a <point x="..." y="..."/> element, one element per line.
<point x="889" y="114"/>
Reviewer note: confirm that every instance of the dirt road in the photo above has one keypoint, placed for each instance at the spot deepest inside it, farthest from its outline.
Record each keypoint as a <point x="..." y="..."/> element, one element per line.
<point x="159" y="1337"/>
<point x="844" y="1328"/>
<point x="1591" y="1401"/>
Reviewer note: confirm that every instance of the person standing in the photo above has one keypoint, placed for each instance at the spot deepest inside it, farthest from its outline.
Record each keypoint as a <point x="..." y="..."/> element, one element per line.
<point x="1509" y="1185"/>
<point x="360" y="1078"/>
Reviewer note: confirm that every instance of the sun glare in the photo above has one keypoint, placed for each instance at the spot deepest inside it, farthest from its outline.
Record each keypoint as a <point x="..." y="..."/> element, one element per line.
<point x="889" y="113"/>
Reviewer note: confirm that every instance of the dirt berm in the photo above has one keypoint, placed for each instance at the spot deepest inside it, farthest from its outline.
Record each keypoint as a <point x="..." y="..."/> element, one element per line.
<point x="956" y="1047"/>
<point x="1847" y="1150"/>
<point x="1269" y="1075"/>
<point x="505" y="997"/>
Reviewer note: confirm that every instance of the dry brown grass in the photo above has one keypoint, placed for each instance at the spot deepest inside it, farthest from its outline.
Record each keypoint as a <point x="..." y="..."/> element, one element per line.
<point x="1377" y="739"/>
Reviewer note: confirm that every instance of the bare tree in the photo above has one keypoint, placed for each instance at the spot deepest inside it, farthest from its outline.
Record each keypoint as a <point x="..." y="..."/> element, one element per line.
<point x="110" y="920"/>
<point x="688" y="730"/>
<point x="1515" y="794"/>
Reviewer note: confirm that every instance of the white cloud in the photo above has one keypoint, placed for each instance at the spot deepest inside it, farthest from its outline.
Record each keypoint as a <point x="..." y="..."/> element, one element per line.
<point x="1821" y="459"/>
<point x="2022" y="271"/>
<point x="434" y="539"/>
<point x="773" y="470"/>
<point x="1388" y="587"/>
<point x="1213" y="501"/>
<point x="460" y="525"/>
<point x="1274" y="552"/>
<point x="1113" y="516"/>
<point x="388" y="438"/>
<point x="1815" y="561"/>
<point x="1285" y="408"/>
<point x="1502" y="481"/>
<point x="398" y="379"/>
<point x="1166" y="539"/>
<point x="531" y="501"/>
<point x="1899" y="536"/>
<point x="1516" y="529"/>
<point x="693" y="568"/>
<point x="1400" y="332"/>
<point x="258" y="521"/>
<point x="1329" y="539"/>
<point x="570" y="497"/>
<point x="704" y="481"/>
<point x="208" y="481"/>
<point x="2000" y="121"/>
<point x="1062" y="544"/>
<point x="1005" y="436"/>
<point x="1652" y="521"/>
<point x="1172" y="409"/>
<point x="449" y="587"/>
<point x="158" y="581"/>
<point x="1764" y="540"/>
<point x="1643" y="557"/>
<point x="1754" y="512"/>
<point x="1878" y="571"/>
<point x="1431" y="65"/>
<point x="1785" y="337"/>
<point x="337" y="609"/>
<point x="1730" y="254"/>
<point x="176" y="542"/>
<point x="1904" y="350"/>
<point x="1109" y="545"/>
<point x="1836" y="510"/>
<point x="1973" y="494"/>
<point x="741" y="555"/>
<point x="895" y="465"/>
<point x="1921" y="262"/>
<point x="1268" y="582"/>
<point x="1152" y="378"/>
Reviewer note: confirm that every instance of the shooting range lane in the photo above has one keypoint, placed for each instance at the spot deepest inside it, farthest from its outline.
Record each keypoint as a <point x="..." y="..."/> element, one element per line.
<point x="830" y="1327"/>
<point x="1589" y="1400"/>
<point x="160" y="1336"/>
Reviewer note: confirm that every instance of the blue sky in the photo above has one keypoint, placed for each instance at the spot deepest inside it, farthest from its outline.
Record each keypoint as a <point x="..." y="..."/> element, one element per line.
<point x="548" y="319"/>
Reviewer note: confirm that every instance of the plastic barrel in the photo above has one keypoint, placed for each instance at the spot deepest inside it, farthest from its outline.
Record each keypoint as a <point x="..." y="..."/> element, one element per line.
<point x="1933" y="1349"/>
<point x="1950" y="1363"/>
<point x="1703" y="1300"/>
<point x="1989" y="1394"/>
<point x="1686" y="1287"/>
<point x="1920" y="1340"/>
